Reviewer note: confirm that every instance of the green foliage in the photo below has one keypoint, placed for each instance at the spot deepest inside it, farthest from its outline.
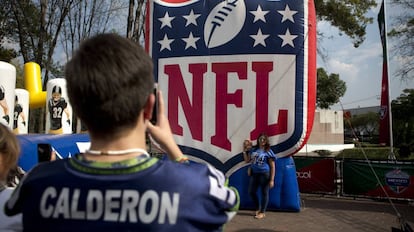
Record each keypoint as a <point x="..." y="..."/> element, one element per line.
<point x="7" y="55"/>
<point x="23" y="24"/>
<point x="403" y="118"/>
<point x="402" y="33"/>
<point x="347" y="15"/>
<point x="363" y="125"/>
<point x="366" y="126"/>
<point x="5" y="16"/>
<point x="329" y="89"/>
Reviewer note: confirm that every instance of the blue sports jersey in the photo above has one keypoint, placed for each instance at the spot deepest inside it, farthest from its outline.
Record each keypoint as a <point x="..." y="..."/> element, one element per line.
<point x="132" y="195"/>
<point x="260" y="160"/>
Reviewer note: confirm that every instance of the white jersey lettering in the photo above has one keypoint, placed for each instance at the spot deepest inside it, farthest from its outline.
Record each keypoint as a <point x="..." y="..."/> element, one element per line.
<point x="125" y="206"/>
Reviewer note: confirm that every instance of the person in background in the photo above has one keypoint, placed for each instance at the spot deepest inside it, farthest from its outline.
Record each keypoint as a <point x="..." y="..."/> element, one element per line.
<point x="115" y="185"/>
<point x="262" y="168"/>
<point x="9" y="154"/>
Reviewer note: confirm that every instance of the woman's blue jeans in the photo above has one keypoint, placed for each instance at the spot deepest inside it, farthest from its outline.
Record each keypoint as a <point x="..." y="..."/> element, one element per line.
<point x="259" y="181"/>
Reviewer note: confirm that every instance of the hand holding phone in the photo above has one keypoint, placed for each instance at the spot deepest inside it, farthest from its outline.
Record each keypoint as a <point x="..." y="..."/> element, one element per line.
<point x="44" y="152"/>
<point x="155" y="109"/>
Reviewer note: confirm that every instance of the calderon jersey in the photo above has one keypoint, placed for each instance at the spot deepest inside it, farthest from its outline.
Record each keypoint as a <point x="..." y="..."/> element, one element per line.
<point x="149" y="195"/>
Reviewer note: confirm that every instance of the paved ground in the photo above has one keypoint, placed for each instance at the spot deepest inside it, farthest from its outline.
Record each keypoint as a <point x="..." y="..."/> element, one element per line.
<point x="326" y="214"/>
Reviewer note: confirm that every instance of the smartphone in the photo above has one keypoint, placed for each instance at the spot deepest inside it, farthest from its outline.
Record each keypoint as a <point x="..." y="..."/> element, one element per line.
<point x="155" y="109"/>
<point x="44" y="152"/>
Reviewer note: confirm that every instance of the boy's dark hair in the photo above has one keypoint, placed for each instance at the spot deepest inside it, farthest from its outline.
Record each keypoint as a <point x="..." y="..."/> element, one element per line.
<point x="109" y="80"/>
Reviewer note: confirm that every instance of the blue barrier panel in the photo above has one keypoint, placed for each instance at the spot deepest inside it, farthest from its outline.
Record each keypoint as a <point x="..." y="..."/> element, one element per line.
<point x="64" y="145"/>
<point x="284" y="196"/>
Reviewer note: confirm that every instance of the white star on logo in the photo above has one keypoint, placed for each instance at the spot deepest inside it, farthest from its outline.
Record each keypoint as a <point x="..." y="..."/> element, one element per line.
<point x="190" y="41"/>
<point x="288" y="38"/>
<point x="165" y="43"/>
<point x="191" y="18"/>
<point x="287" y="14"/>
<point x="166" y="20"/>
<point x="259" y="14"/>
<point x="259" y="38"/>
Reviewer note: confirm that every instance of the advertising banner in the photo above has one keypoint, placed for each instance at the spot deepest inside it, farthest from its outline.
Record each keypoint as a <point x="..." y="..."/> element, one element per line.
<point x="395" y="179"/>
<point x="315" y="174"/>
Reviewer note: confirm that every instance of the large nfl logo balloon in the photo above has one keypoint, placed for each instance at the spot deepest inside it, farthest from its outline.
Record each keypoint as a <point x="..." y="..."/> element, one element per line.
<point x="230" y="70"/>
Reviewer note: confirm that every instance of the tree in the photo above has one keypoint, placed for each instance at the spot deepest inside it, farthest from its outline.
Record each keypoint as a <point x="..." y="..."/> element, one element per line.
<point x="87" y="18"/>
<point x="6" y="54"/>
<point x="329" y="89"/>
<point x="347" y="15"/>
<point x="403" y="33"/>
<point x="365" y="126"/>
<point x="35" y="26"/>
<point x="135" y="23"/>
<point x="403" y="118"/>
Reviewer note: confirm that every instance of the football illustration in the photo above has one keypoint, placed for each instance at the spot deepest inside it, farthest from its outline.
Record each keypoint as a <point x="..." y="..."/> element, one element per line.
<point x="224" y="22"/>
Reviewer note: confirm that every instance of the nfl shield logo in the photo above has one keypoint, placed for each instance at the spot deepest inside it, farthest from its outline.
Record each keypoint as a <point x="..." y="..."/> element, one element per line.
<point x="230" y="70"/>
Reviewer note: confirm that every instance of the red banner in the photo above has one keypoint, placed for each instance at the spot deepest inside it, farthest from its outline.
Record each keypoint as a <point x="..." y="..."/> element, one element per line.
<point x="315" y="174"/>
<point x="384" y="130"/>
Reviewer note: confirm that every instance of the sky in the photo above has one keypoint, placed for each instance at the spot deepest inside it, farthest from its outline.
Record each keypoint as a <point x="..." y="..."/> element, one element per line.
<point x="361" y="68"/>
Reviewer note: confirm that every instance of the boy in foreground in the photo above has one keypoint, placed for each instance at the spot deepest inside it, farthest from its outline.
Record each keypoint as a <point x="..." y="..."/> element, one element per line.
<point x="116" y="185"/>
<point x="9" y="155"/>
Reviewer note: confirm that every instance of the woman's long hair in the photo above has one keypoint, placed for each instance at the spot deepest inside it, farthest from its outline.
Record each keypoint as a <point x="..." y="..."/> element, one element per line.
<point x="267" y="145"/>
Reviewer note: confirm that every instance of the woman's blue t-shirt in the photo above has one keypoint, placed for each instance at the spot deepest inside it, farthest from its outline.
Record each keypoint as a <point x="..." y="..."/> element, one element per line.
<point x="260" y="160"/>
